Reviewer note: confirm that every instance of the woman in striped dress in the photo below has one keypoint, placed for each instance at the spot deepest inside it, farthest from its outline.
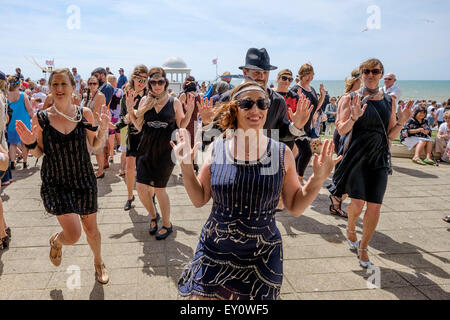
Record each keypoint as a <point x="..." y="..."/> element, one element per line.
<point x="69" y="186"/>
<point x="239" y="255"/>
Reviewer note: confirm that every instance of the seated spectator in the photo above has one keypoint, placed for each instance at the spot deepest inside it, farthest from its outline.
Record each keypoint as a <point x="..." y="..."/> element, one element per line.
<point x="443" y="139"/>
<point x="417" y="133"/>
<point x="221" y="87"/>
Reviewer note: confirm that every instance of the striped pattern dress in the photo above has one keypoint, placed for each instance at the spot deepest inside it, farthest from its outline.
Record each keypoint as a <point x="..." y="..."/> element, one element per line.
<point x="69" y="184"/>
<point x="240" y="254"/>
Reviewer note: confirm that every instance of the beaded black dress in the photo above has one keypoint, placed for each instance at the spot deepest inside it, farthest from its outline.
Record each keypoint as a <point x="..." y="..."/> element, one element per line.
<point x="69" y="184"/>
<point x="240" y="254"/>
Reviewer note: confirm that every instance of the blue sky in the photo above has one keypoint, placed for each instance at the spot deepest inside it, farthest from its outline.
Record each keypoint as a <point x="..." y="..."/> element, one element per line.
<point x="412" y="41"/>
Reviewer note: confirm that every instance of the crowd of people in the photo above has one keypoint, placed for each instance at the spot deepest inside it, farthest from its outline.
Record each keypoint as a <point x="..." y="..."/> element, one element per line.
<point x="257" y="142"/>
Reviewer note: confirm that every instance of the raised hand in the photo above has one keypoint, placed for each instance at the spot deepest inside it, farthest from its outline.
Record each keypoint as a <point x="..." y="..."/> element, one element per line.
<point x="323" y="92"/>
<point x="25" y="134"/>
<point x="190" y="103"/>
<point x="355" y="107"/>
<point x="302" y="113"/>
<point x="323" y="165"/>
<point x="205" y="109"/>
<point x="104" y="117"/>
<point x="129" y="100"/>
<point x="183" y="152"/>
<point x="405" y="113"/>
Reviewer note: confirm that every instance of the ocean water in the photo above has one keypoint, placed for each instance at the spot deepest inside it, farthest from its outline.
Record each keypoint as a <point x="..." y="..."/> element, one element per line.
<point x="411" y="89"/>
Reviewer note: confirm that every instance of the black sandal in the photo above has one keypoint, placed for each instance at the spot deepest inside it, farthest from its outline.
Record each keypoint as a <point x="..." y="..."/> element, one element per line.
<point x="4" y="243"/>
<point x="164" y="235"/>
<point x="446" y="219"/>
<point x="8" y="231"/>
<point x="153" y="230"/>
<point x="337" y="211"/>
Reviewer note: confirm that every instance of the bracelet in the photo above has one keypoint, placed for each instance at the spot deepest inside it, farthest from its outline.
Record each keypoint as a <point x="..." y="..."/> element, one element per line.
<point x="351" y="118"/>
<point x="31" y="146"/>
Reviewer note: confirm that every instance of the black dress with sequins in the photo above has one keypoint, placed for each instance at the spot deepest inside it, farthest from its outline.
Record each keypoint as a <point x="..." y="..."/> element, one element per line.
<point x="240" y="254"/>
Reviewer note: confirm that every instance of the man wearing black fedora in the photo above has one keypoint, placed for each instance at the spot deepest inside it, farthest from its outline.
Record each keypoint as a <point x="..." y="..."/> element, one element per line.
<point x="257" y="67"/>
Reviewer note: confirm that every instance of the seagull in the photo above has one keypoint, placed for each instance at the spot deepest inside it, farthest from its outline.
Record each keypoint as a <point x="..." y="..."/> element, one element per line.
<point x="428" y="21"/>
<point x="366" y="29"/>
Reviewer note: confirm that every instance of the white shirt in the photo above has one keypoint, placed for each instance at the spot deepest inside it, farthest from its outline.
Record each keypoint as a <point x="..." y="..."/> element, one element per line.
<point x="440" y="114"/>
<point x="394" y="91"/>
<point x="40" y="95"/>
<point x="77" y="78"/>
<point x="430" y="111"/>
<point x="444" y="128"/>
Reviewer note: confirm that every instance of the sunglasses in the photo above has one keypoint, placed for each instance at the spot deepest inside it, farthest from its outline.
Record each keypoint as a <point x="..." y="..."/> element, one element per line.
<point x="374" y="71"/>
<point x="159" y="82"/>
<point x="247" y="104"/>
<point x="93" y="83"/>
<point x="388" y="79"/>
<point x="140" y="80"/>
<point x="284" y="78"/>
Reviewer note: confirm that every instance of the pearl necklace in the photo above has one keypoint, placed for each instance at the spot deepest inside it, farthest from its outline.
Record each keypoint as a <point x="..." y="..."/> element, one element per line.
<point x="76" y="118"/>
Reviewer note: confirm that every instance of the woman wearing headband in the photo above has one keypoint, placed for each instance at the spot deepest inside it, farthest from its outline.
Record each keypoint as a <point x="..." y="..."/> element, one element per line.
<point x="363" y="171"/>
<point x="239" y="255"/>
<point x="62" y="134"/>
<point x="157" y="117"/>
<point x="21" y="110"/>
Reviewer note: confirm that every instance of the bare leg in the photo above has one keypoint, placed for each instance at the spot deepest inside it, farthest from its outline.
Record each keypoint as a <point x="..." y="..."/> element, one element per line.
<point x="24" y="153"/>
<point x="111" y="145"/>
<point x="71" y="226"/>
<point x="93" y="236"/>
<point x="164" y="204"/>
<point x="419" y="148"/>
<point x="354" y="210"/>
<point x="12" y="152"/>
<point x="145" y="193"/>
<point x="130" y="175"/>
<point x="371" y="217"/>
<point x="2" y="221"/>
<point x="428" y="149"/>
<point x="100" y="163"/>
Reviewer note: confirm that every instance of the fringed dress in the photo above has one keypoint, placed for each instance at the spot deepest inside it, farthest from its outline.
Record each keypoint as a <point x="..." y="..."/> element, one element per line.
<point x="240" y="254"/>
<point x="69" y="184"/>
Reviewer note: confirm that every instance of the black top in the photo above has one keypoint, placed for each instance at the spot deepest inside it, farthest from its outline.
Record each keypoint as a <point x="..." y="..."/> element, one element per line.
<point x="312" y="96"/>
<point x="68" y="180"/>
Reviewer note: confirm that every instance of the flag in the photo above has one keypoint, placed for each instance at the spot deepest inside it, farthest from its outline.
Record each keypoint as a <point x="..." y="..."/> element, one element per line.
<point x="49" y="62"/>
<point x="214" y="61"/>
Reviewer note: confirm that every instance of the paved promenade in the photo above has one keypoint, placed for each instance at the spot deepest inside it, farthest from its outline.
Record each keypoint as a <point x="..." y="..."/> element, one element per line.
<point x="411" y="246"/>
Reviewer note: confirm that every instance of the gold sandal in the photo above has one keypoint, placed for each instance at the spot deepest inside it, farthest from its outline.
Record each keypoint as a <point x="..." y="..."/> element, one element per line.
<point x="55" y="252"/>
<point x="101" y="274"/>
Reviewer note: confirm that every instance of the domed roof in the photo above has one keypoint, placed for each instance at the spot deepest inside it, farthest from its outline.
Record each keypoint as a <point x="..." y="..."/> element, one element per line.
<point x="175" y="63"/>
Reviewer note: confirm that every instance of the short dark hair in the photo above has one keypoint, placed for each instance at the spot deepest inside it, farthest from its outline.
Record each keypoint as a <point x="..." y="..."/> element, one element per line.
<point x="99" y="70"/>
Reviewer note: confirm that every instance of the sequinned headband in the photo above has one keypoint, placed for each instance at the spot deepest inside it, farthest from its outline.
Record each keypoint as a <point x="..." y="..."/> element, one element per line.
<point x="252" y="88"/>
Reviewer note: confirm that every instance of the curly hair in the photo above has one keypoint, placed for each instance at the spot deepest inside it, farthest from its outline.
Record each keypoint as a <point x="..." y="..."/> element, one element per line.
<point x="226" y="113"/>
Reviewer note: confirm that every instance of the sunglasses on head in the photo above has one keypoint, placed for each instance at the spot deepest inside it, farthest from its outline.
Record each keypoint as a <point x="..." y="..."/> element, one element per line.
<point x="373" y="71"/>
<point x="159" y="82"/>
<point x="247" y="104"/>
<point x="284" y="78"/>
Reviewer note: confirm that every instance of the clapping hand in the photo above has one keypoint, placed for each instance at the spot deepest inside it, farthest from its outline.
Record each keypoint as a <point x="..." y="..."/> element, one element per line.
<point x="27" y="136"/>
<point x="183" y="152"/>
<point x="323" y="165"/>
<point x="104" y="117"/>
<point x="405" y="113"/>
<point x="301" y="115"/>
<point x="205" y="109"/>
<point x="355" y="107"/>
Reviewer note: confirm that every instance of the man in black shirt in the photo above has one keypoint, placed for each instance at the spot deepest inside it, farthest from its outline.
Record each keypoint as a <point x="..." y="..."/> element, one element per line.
<point x="257" y="67"/>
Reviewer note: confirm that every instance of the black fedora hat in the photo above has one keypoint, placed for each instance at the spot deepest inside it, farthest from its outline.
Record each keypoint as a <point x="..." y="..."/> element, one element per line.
<point x="257" y="59"/>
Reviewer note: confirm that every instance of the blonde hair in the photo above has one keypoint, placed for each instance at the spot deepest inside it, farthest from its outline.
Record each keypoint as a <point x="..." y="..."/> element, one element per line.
<point x="136" y="72"/>
<point x="4" y="86"/>
<point x="111" y="78"/>
<point x="447" y="114"/>
<point x="349" y="82"/>
<point x="13" y="79"/>
<point x="65" y="71"/>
